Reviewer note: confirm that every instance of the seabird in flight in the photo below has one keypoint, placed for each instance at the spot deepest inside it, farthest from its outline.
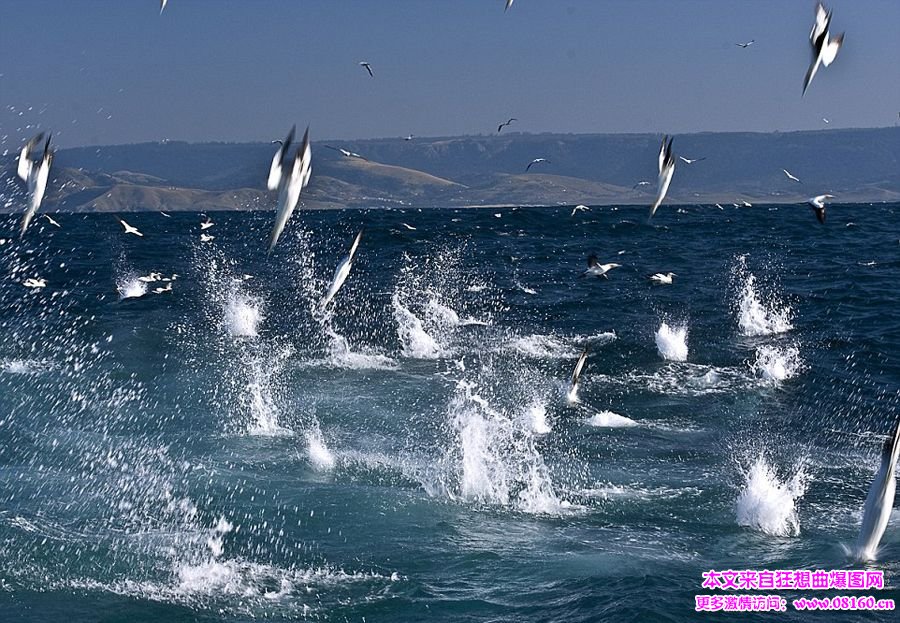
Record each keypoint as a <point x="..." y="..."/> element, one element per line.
<point x="824" y="48"/>
<point x="50" y="219"/>
<point x="666" y="171"/>
<point x="579" y="208"/>
<point x="129" y="229"/>
<point x="502" y="125"/>
<point x="346" y="153"/>
<point x="690" y="160"/>
<point x="368" y="68"/>
<point x="596" y="269"/>
<point x="535" y="161"/>
<point x="746" y="45"/>
<point x="792" y="177"/>
<point x="817" y="203"/>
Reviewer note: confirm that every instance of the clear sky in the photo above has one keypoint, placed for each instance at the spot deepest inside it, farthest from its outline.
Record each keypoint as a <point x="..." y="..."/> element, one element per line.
<point x="115" y="71"/>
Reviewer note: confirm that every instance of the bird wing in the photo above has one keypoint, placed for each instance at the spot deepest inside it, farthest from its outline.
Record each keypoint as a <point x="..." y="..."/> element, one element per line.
<point x="830" y="49"/>
<point x="592" y="261"/>
<point x="823" y="17"/>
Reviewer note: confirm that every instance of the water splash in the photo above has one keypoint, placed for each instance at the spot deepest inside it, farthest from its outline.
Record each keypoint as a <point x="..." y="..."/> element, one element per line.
<point x="776" y="364"/>
<point x="320" y="457"/>
<point x="415" y="341"/>
<point x="242" y="314"/>
<point x="131" y="288"/>
<point x="756" y="316"/>
<point x="672" y="342"/>
<point x="767" y="503"/>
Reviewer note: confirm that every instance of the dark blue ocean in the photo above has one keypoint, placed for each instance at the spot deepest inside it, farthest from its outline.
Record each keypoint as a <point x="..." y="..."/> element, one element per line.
<point x="223" y="450"/>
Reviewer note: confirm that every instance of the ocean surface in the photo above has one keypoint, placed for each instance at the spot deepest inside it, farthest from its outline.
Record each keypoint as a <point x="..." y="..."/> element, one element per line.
<point x="225" y="450"/>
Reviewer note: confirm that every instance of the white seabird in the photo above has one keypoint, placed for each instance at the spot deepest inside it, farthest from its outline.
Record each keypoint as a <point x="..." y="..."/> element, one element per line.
<point x="817" y="203"/>
<point x="579" y="208"/>
<point x="289" y="193"/>
<point x="162" y="6"/>
<point x="508" y="4"/>
<point x="880" y="500"/>
<point x="168" y="288"/>
<point x="35" y="174"/>
<point x="596" y="269"/>
<point x="792" y="177"/>
<point x="276" y="170"/>
<point x="534" y="162"/>
<point x="151" y="277"/>
<point x="690" y="160"/>
<point x="666" y="171"/>
<point x="50" y="220"/>
<point x="341" y="272"/>
<point x="346" y="152"/>
<point x="641" y="183"/>
<point x="207" y="237"/>
<point x="129" y="229"/>
<point x="572" y="395"/>
<point x="824" y="48"/>
<point x="35" y="283"/>
<point x="746" y="45"/>
<point x="662" y="278"/>
<point x="368" y="68"/>
<point x="206" y="224"/>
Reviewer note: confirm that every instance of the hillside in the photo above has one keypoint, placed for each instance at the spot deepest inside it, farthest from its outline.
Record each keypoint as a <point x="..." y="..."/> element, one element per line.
<point x="856" y="165"/>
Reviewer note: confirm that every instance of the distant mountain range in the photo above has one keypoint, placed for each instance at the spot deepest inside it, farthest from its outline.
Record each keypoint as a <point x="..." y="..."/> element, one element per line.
<point x="855" y="165"/>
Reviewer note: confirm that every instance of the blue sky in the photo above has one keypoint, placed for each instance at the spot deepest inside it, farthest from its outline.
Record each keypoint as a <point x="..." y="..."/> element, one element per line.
<point x="115" y="71"/>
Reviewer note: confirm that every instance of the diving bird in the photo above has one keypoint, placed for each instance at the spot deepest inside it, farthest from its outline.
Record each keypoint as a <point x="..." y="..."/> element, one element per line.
<point x="666" y="171"/>
<point x="162" y="6"/>
<point x="662" y="278"/>
<point x="35" y="175"/>
<point x="596" y="269"/>
<point x="792" y="177"/>
<point x="129" y="229"/>
<point x="50" y="219"/>
<point x="746" y="45"/>
<point x="276" y="170"/>
<point x="817" y="203"/>
<point x="824" y="48"/>
<point x="572" y="395"/>
<point x="826" y="120"/>
<point x="340" y="273"/>
<point x="508" y="4"/>
<point x="409" y="137"/>
<point x="880" y="500"/>
<point x="368" y="68"/>
<point x="502" y="125"/>
<point x="290" y="187"/>
<point x="579" y="208"/>
<point x="535" y="161"/>
<point x="690" y="160"/>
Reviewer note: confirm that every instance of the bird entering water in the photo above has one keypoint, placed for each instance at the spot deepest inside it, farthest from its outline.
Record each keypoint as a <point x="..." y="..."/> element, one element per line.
<point x="880" y="500"/>
<point x="817" y="203"/>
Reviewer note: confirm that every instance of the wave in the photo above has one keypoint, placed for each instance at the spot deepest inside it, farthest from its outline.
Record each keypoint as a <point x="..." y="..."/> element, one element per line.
<point x="608" y="419"/>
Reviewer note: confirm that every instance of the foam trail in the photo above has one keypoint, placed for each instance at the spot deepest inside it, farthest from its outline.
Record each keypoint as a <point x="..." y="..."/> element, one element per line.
<point x="776" y="364"/>
<point x="608" y="419"/>
<point x="672" y="343"/>
<point x="243" y="314"/>
<point x="258" y="396"/>
<point x="766" y="503"/>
